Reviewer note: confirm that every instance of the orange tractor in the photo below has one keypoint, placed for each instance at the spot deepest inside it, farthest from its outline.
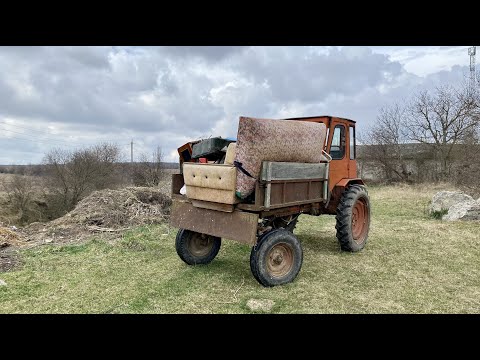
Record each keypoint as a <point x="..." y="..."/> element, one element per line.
<point x="311" y="170"/>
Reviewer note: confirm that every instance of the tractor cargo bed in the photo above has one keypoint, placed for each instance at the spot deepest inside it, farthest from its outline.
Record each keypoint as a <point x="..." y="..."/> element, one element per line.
<point x="236" y="225"/>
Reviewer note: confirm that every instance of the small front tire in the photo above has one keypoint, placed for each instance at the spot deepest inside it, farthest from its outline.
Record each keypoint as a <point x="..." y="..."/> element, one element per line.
<point x="195" y="248"/>
<point x="277" y="258"/>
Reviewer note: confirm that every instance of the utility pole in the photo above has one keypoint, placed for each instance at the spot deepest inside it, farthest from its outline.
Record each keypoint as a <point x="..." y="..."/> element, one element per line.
<point x="472" y="51"/>
<point x="131" y="151"/>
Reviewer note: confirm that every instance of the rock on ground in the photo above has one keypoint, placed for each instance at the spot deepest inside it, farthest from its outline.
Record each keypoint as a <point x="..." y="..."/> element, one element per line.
<point x="2" y="283"/>
<point x="467" y="210"/>
<point x="443" y="200"/>
<point x="260" y="305"/>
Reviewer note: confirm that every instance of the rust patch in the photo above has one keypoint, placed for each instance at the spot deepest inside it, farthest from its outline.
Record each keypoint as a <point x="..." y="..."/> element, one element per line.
<point x="238" y="225"/>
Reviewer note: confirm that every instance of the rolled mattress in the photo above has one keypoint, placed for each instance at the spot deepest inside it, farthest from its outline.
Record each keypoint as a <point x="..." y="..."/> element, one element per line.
<point x="261" y="140"/>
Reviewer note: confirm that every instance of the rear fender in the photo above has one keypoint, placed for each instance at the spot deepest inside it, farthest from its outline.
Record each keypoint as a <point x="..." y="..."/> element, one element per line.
<point x="337" y="192"/>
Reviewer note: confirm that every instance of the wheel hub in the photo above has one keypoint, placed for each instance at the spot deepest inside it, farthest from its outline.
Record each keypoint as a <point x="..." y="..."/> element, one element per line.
<point x="277" y="257"/>
<point x="200" y="245"/>
<point x="280" y="260"/>
<point x="359" y="221"/>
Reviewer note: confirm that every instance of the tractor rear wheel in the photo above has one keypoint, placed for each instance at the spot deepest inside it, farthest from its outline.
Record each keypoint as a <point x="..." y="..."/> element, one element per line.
<point x="277" y="258"/>
<point x="353" y="218"/>
<point x="195" y="248"/>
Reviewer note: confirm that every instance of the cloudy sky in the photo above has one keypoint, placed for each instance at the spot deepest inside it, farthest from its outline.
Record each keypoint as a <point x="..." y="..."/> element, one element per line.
<point x="71" y="97"/>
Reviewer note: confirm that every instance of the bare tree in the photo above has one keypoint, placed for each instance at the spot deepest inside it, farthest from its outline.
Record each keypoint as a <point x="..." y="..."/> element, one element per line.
<point x="385" y="143"/>
<point x="442" y="119"/>
<point x="149" y="172"/>
<point x="74" y="174"/>
<point x="467" y="169"/>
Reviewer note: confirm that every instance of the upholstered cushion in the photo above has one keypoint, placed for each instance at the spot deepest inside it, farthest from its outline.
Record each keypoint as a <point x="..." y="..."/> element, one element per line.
<point x="210" y="182"/>
<point x="275" y="140"/>
<point x="230" y="155"/>
<point x="213" y="195"/>
<point x="213" y="176"/>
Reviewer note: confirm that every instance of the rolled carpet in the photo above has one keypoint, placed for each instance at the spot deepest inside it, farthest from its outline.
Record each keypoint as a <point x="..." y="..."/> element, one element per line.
<point x="261" y="140"/>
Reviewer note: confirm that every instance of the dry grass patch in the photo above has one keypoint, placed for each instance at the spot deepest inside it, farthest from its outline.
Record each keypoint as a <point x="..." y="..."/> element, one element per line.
<point x="9" y="238"/>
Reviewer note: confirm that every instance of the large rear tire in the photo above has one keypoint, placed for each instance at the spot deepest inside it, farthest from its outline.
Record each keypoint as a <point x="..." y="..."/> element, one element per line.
<point x="195" y="248"/>
<point x="353" y="218"/>
<point x="277" y="258"/>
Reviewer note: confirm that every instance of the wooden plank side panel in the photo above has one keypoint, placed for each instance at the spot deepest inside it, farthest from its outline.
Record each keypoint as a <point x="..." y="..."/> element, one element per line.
<point x="284" y="193"/>
<point x="212" y="205"/>
<point x="289" y="171"/>
<point x="238" y="225"/>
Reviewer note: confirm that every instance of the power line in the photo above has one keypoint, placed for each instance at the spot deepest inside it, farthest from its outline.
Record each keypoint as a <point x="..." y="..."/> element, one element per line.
<point x="61" y="142"/>
<point x="26" y="128"/>
<point x="34" y="138"/>
<point x="39" y="131"/>
<point x="131" y="151"/>
<point x="38" y="141"/>
<point x="472" y="52"/>
<point x="48" y="142"/>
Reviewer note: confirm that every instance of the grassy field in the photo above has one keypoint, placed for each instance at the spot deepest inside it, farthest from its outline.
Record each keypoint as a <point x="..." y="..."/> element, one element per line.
<point x="411" y="264"/>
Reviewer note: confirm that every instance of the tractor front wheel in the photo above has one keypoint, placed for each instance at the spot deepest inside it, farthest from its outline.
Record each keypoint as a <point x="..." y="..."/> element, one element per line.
<point x="195" y="248"/>
<point x="277" y="258"/>
<point x="353" y="218"/>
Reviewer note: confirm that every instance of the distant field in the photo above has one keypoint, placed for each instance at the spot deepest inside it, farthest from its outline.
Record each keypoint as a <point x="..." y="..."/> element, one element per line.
<point x="5" y="177"/>
<point x="411" y="264"/>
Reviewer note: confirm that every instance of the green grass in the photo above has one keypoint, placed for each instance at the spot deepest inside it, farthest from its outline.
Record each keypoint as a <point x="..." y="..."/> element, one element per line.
<point x="411" y="264"/>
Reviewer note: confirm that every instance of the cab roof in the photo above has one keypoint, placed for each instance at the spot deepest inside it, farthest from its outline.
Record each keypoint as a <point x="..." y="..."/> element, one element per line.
<point x="319" y="116"/>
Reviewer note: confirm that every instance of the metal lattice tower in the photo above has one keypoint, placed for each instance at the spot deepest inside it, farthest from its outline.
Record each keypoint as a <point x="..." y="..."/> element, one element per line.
<point x="472" y="51"/>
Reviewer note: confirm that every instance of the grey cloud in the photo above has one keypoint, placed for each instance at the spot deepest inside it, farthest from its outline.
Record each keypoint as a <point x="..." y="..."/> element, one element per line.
<point x="211" y="53"/>
<point x="164" y="95"/>
<point x="294" y="73"/>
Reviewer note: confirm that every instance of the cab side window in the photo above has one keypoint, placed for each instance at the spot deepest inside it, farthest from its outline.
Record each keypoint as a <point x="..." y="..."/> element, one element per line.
<point x="351" y="131"/>
<point x="337" y="149"/>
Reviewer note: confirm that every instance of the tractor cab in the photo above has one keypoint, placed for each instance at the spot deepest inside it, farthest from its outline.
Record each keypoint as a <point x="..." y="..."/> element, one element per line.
<point x="340" y="144"/>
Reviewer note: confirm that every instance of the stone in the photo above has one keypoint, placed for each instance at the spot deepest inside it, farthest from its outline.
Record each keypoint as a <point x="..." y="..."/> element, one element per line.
<point x="264" y="305"/>
<point x="467" y="210"/>
<point x="2" y="283"/>
<point x="48" y="241"/>
<point x="443" y="200"/>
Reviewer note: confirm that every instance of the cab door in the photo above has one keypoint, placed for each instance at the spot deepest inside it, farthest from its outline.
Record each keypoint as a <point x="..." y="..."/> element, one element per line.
<point x="338" y="150"/>
<point x="352" y="162"/>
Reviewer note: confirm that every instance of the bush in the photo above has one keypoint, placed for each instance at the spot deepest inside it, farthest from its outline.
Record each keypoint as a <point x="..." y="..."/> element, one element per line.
<point x="149" y="172"/>
<point x="72" y="175"/>
<point x="22" y="198"/>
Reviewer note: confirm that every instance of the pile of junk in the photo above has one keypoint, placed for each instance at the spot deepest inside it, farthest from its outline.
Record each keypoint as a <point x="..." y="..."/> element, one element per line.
<point x="228" y="170"/>
<point x="214" y="150"/>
